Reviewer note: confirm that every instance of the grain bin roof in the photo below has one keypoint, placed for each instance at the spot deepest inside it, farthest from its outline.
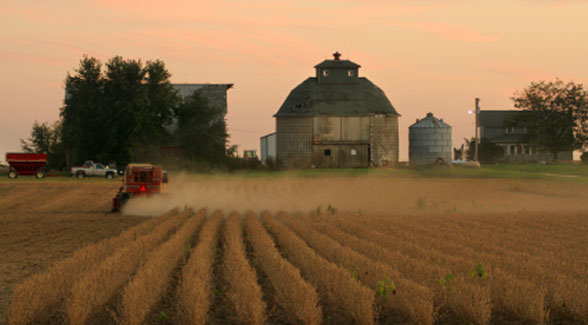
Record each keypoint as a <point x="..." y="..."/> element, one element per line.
<point x="430" y="122"/>
<point x="311" y="98"/>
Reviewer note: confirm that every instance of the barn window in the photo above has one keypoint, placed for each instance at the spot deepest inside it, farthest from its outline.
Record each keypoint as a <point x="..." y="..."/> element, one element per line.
<point x="325" y="73"/>
<point x="353" y="152"/>
<point x="350" y="73"/>
<point x="327" y="152"/>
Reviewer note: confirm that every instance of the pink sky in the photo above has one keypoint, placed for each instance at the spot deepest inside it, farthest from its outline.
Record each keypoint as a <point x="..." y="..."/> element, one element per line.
<point x="427" y="56"/>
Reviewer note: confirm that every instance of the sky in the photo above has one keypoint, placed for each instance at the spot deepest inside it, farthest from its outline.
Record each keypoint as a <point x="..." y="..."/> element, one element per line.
<point x="427" y="56"/>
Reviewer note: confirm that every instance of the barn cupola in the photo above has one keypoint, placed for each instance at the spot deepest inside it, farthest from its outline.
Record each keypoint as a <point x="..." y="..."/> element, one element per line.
<point x="337" y="71"/>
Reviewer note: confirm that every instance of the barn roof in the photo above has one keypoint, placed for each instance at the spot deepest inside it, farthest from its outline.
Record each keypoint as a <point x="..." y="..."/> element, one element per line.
<point x="186" y="90"/>
<point x="337" y="64"/>
<point x="354" y="99"/>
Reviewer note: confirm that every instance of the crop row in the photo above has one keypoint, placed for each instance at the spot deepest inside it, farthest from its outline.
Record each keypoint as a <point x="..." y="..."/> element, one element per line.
<point x="191" y="268"/>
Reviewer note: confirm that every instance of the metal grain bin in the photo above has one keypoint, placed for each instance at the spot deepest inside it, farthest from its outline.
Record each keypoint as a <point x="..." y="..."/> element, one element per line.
<point x="429" y="141"/>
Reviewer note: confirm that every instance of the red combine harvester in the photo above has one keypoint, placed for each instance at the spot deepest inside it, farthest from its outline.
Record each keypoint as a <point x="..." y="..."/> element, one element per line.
<point x="26" y="164"/>
<point x="139" y="180"/>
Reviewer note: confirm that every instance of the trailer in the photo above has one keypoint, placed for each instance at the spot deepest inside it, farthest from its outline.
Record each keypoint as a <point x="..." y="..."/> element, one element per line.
<point x="21" y="163"/>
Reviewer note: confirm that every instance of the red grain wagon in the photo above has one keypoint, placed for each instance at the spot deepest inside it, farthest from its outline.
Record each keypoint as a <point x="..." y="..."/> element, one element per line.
<point x="26" y="164"/>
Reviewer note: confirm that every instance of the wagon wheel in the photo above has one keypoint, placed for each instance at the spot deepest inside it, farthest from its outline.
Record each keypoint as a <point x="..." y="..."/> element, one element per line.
<point x="40" y="174"/>
<point x="12" y="174"/>
<point x="80" y="175"/>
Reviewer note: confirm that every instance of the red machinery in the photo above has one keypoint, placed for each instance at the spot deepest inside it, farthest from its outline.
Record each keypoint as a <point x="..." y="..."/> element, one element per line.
<point x="139" y="180"/>
<point x="26" y="164"/>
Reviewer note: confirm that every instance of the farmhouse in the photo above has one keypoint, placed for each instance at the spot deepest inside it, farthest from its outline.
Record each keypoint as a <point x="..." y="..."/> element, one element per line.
<point x="337" y="119"/>
<point x="499" y="127"/>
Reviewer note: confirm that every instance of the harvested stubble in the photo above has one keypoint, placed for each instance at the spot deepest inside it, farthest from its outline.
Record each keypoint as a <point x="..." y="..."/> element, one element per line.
<point x="152" y="278"/>
<point x="243" y="292"/>
<point x="407" y="298"/>
<point x="103" y="281"/>
<point x="194" y="292"/>
<point x="298" y="298"/>
<point x="470" y="301"/>
<point x="342" y="295"/>
<point x="44" y="292"/>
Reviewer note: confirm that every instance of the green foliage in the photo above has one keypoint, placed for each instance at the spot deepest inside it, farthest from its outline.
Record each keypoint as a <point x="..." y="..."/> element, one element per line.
<point x="386" y="287"/>
<point x="478" y="271"/>
<point x="318" y="210"/>
<point x="331" y="209"/>
<point x="584" y="157"/>
<point x="354" y="274"/>
<point x="447" y="282"/>
<point x="47" y="139"/>
<point x="119" y="113"/>
<point x="488" y="152"/>
<point x="556" y="115"/>
<point x="163" y="315"/>
<point x="202" y="131"/>
<point x="421" y="203"/>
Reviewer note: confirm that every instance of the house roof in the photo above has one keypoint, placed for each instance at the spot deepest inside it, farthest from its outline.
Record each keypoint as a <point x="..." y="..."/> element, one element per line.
<point x="354" y="99"/>
<point x="498" y="119"/>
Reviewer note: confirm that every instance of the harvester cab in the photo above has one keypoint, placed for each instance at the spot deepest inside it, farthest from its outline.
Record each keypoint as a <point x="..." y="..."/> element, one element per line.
<point x="139" y="180"/>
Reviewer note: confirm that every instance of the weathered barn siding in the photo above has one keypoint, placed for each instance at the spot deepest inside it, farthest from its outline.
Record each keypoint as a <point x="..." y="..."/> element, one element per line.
<point x="383" y="140"/>
<point x="337" y="119"/>
<point x="294" y="141"/>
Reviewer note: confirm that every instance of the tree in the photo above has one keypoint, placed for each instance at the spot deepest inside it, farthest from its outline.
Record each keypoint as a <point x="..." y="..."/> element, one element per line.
<point x="46" y="138"/>
<point x="558" y="115"/>
<point x="119" y="113"/>
<point x="488" y="152"/>
<point x="82" y="112"/>
<point x="201" y="130"/>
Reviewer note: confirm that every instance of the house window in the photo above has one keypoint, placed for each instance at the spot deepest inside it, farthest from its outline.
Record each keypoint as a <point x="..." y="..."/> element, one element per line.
<point x="350" y="73"/>
<point x="510" y="130"/>
<point x="527" y="149"/>
<point x="325" y="73"/>
<point x="519" y="149"/>
<point x="327" y="152"/>
<point x="353" y="152"/>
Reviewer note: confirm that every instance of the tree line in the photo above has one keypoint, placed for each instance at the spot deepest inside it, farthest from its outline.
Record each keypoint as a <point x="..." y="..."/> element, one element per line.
<point x="126" y="110"/>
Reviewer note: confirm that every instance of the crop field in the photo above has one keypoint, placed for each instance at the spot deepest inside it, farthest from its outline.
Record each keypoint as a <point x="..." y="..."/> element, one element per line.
<point x="331" y="249"/>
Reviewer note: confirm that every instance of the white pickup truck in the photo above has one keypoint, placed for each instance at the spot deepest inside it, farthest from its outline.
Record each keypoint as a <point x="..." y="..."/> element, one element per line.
<point x="93" y="169"/>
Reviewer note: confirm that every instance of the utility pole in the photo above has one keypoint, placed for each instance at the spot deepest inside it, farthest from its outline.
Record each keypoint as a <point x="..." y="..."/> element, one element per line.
<point x="477" y="123"/>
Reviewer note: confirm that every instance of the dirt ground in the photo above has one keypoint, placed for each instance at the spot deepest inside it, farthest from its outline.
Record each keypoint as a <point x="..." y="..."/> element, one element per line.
<point x="45" y="221"/>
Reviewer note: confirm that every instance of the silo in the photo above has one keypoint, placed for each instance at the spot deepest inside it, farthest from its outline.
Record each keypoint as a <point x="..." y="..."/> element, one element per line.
<point x="429" y="141"/>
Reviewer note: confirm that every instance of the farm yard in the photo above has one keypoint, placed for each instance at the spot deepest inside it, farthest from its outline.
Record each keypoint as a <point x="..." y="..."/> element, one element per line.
<point x="330" y="248"/>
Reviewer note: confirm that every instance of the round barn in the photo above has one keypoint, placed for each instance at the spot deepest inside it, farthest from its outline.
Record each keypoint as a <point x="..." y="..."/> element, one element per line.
<point x="429" y="141"/>
<point x="337" y="119"/>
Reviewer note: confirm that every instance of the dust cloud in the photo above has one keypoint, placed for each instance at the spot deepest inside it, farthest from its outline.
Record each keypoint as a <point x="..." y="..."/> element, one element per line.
<point x="390" y="195"/>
